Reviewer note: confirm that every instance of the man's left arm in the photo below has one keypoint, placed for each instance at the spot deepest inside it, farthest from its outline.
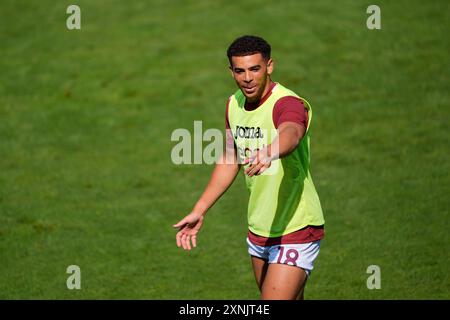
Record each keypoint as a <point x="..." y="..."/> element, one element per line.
<point x="290" y="117"/>
<point x="289" y="135"/>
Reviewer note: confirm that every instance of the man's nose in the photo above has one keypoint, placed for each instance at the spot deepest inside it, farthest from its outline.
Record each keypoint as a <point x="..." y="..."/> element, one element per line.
<point x="248" y="77"/>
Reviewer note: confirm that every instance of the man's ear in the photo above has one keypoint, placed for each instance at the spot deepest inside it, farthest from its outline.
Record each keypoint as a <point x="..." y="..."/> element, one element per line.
<point x="269" y="67"/>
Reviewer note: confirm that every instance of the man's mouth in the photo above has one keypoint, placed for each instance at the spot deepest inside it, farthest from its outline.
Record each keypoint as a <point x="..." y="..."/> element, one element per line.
<point x="249" y="90"/>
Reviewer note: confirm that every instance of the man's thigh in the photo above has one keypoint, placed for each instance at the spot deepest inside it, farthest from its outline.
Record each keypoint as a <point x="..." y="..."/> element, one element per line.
<point x="283" y="282"/>
<point x="259" y="269"/>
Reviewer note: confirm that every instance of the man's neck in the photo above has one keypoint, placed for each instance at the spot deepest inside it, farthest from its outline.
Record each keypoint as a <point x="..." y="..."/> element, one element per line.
<point x="266" y="93"/>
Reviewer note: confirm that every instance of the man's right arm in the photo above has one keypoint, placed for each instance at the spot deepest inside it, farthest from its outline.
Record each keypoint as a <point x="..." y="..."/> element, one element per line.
<point x="223" y="175"/>
<point x="221" y="179"/>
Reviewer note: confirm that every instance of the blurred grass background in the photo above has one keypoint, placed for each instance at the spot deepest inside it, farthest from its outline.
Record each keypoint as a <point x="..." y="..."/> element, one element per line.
<point x="86" y="118"/>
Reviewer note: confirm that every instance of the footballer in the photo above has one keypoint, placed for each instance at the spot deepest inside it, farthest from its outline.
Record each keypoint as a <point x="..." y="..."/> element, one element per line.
<point x="285" y="219"/>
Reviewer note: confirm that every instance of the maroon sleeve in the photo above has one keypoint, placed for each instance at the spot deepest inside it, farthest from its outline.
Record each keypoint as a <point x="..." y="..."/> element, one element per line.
<point x="290" y="109"/>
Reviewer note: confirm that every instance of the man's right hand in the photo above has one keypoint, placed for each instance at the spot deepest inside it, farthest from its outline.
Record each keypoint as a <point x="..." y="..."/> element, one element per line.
<point x="189" y="226"/>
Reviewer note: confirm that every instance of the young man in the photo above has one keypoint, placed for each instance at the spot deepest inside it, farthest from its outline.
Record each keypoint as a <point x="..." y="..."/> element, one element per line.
<point x="284" y="213"/>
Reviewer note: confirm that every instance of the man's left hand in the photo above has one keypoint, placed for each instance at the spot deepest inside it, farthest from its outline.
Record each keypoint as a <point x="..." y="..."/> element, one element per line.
<point x="259" y="161"/>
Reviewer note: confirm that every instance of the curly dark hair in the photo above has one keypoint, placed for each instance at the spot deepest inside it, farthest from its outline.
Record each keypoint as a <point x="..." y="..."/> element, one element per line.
<point x="248" y="45"/>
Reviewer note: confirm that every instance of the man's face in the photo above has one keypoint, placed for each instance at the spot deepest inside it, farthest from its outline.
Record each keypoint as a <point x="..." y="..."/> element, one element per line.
<point x="251" y="74"/>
